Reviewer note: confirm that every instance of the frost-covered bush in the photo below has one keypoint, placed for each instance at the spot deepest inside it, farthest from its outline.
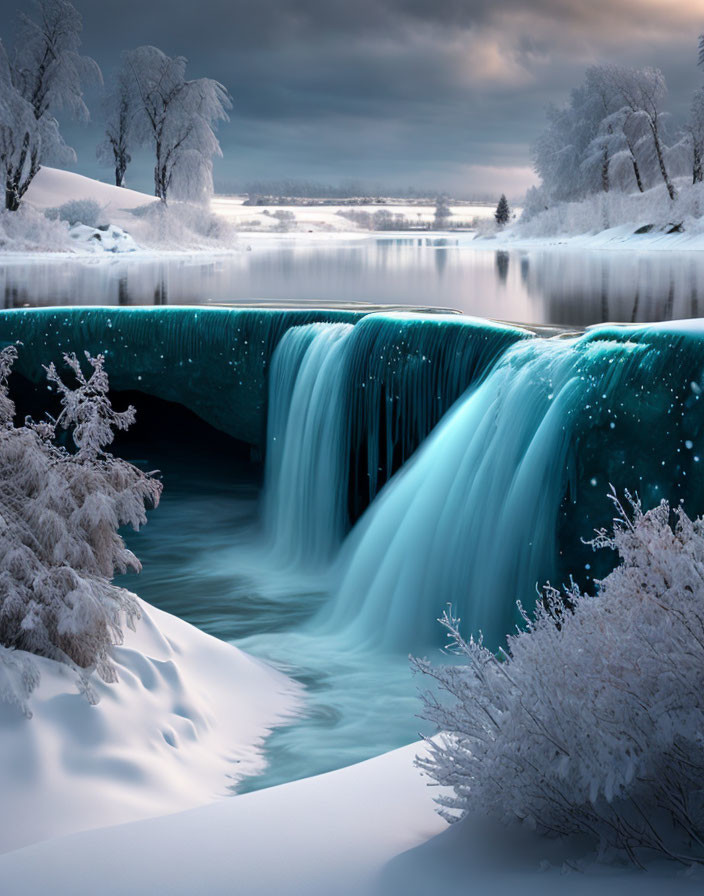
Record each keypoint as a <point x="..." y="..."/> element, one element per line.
<point x="28" y="230"/>
<point x="78" y="211"/>
<point x="614" y="209"/>
<point x="181" y="225"/>
<point x="60" y="512"/>
<point x="592" y="720"/>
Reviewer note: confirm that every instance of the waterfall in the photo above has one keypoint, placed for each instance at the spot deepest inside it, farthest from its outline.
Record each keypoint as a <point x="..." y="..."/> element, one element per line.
<point x="305" y="498"/>
<point x="347" y="398"/>
<point x="473" y="518"/>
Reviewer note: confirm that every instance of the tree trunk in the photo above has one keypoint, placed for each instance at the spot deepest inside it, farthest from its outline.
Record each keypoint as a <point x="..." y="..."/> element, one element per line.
<point x="605" y="169"/>
<point x="119" y="174"/>
<point x="12" y="201"/>
<point x="697" y="170"/>
<point x="636" y="172"/>
<point x="661" y="162"/>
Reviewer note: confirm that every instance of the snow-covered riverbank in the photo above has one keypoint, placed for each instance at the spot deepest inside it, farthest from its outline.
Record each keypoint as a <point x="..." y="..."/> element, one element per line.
<point x="183" y="725"/>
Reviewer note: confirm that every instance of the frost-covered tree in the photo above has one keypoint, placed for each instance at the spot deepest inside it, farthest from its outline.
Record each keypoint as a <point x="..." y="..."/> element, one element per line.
<point x="642" y="92"/>
<point x="591" y="721"/>
<point x="695" y="132"/>
<point x="502" y="213"/>
<point x="443" y="212"/>
<point x="45" y="73"/>
<point x="573" y="155"/>
<point x="177" y="118"/>
<point x="60" y="512"/>
<point x="119" y="108"/>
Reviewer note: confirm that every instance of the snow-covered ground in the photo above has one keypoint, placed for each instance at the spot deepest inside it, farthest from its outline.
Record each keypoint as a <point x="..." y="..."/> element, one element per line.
<point x="182" y="227"/>
<point x="230" y="225"/>
<point x="366" y="830"/>
<point x="184" y="724"/>
<point x="621" y="238"/>
<point x="327" y="218"/>
<point x="612" y="221"/>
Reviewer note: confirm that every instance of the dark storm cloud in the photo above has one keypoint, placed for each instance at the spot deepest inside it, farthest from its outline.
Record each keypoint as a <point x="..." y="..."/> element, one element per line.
<point x="445" y="93"/>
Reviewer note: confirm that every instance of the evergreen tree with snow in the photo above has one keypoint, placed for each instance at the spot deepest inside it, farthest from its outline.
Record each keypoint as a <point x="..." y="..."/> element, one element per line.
<point x="503" y="212"/>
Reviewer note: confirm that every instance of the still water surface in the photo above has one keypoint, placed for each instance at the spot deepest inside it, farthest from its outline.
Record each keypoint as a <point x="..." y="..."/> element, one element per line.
<point x="547" y="286"/>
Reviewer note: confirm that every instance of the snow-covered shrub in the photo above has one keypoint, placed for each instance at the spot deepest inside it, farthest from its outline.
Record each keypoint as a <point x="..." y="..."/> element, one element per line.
<point x="78" y="211"/>
<point x="28" y="230"/>
<point x="592" y="719"/>
<point x="614" y="209"/>
<point x="60" y="512"/>
<point x="181" y="225"/>
<point x="18" y="678"/>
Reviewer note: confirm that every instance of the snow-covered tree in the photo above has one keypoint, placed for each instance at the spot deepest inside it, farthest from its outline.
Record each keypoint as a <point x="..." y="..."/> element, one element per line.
<point x="177" y="118"/>
<point x="443" y="212"/>
<point x="591" y="720"/>
<point x="119" y="111"/>
<point x="642" y="92"/>
<point x="502" y="213"/>
<point x="573" y="154"/>
<point x="45" y="73"/>
<point x="60" y="512"/>
<point x="695" y="132"/>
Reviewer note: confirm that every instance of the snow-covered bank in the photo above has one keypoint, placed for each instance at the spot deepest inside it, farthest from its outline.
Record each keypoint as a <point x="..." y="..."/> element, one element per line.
<point x="38" y="226"/>
<point x="615" y="220"/>
<point x="184" y="723"/>
<point x="366" y="830"/>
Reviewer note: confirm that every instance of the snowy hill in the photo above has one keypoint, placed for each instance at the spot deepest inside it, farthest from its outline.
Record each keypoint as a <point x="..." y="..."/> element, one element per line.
<point x="53" y="187"/>
<point x="182" y="725"/>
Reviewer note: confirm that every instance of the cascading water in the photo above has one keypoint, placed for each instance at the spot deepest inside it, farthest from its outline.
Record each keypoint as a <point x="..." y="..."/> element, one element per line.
<point x="343" y="399"/>
<point x="473" y="519"/>
<point x="495" y="501"/>
<point x="305" y="508"/>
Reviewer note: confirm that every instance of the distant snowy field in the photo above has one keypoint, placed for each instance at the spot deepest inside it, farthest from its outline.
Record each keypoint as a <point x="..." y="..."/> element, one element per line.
<point x="327" y="218"/>
<point x="228" y="225"/>
<point x="182" y="227"/>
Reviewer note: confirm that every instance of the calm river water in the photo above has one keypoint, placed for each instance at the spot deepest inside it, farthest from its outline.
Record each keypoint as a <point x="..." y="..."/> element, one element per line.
<point x="552" y="286"/>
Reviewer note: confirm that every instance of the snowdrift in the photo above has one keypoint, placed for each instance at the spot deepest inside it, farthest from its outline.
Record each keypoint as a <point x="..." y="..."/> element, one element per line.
<point x="367" y="830"/>
<point x="182" y="726"/>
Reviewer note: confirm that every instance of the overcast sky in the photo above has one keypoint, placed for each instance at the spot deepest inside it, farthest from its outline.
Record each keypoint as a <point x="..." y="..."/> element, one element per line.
<point x="434" y="94"/>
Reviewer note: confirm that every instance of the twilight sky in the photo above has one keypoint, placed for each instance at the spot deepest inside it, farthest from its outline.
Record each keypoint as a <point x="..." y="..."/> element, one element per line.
<point x="434" y="94"/>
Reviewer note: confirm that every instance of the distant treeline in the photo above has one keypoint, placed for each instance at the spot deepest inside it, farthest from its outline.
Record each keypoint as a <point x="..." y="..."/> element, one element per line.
<point x="272" y="192"/>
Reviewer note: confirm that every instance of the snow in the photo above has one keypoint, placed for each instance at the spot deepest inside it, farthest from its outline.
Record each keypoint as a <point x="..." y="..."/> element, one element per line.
<point x="327" y="218"/>
<point x="366" y="830"/>
<point x="53" y="187"/>
<point x="107" y="239"/>
<point x="184" y="723"/>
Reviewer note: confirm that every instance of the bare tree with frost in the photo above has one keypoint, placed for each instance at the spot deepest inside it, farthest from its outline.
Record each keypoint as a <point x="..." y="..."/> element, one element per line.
<point x="591" y="721"/>
<point x="119" y="108"/>
<point x="642" y="92"/>
<point x="60" y="512"/>
<point x="177" y="119"/>
<point x="45" y="73"/>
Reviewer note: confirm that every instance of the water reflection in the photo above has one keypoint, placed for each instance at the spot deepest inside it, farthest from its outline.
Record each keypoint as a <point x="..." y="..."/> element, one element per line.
<point x="557" y="286"/>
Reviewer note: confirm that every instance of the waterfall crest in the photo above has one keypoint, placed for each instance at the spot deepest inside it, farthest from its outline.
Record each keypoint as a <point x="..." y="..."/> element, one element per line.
<point x="305" y="484"/>
<point x="474" y="518"/>
<point x="343" y="399"/>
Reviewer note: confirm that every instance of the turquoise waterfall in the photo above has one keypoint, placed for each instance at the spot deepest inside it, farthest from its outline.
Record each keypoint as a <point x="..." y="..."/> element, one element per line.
<point x="305" y="498"/>
<point x="484" y="513"/>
